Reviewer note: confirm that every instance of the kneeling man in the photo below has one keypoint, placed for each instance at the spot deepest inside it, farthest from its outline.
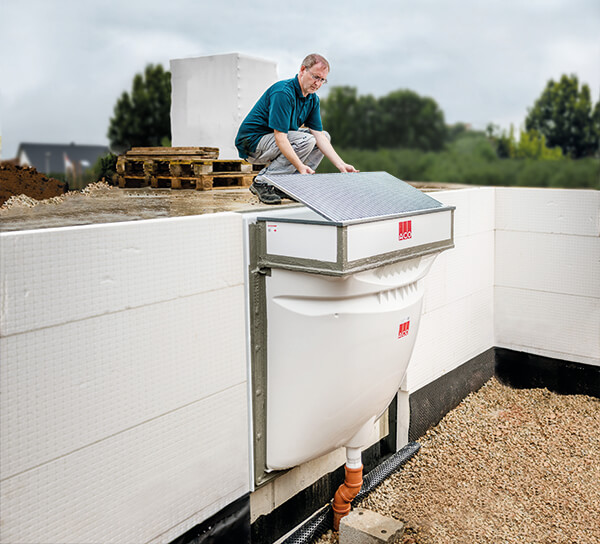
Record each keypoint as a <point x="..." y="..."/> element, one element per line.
<point x="284" y="129"/>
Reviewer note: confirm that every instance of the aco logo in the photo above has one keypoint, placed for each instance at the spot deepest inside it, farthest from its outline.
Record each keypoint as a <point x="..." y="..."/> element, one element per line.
<point x="405" y="230"/>
<point x="403" y="328"/>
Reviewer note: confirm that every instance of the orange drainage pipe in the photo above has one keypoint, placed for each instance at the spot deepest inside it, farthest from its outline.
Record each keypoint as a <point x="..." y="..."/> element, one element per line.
<point x="345" y="494"/>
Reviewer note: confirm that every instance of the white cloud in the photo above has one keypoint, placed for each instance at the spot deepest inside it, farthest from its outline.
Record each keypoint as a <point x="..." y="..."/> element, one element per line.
<point x="64" y="63"/>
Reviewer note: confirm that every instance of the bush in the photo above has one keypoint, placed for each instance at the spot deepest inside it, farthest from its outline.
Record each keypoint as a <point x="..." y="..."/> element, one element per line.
<point x="472" y="163"/>
<point x="105" y="167"/>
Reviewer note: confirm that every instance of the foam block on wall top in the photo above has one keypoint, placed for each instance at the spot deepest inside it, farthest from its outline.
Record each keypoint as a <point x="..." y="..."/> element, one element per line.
<point x="56" y="276"/>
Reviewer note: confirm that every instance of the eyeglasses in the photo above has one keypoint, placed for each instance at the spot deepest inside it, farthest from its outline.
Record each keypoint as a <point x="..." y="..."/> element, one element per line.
<point x="318" y="79"/>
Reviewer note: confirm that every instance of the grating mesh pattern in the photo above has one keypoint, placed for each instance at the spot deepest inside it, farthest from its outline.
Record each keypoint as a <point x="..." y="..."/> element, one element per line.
<point x="313" y="528"/>
<point x="386" y="469"/>
<point x="354" y="198"/>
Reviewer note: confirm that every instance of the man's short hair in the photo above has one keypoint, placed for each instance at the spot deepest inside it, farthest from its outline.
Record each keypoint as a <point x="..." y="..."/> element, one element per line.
<point x="315" y="58"/>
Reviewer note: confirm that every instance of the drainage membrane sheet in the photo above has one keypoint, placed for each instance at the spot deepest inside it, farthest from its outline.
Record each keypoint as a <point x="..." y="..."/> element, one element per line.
<point x="346" y="198"/>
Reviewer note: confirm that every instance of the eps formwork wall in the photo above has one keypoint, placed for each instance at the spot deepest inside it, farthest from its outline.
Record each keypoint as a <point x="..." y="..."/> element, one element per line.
<point x="124" y="414"/>
<point x="458" y="305"/>
<point x="524" y="276"/>
<point x="547" y="267"/>
<point x="123" y="401"/>
<point x="453" y="353"/>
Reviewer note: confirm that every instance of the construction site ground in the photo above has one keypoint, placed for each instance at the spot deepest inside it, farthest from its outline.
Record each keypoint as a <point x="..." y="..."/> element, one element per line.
<point x="30" y="205"/>
<point x="105" y="204"/>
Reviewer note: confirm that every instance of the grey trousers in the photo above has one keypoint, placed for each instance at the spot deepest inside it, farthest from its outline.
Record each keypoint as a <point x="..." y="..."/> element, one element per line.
<point x="303" y="143"/>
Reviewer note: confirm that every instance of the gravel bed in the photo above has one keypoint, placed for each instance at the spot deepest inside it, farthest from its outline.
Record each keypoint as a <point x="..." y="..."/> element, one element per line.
<point x="505" y="466"/>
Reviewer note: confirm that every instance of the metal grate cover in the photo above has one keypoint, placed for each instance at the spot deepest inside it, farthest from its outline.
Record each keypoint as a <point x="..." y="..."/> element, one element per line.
<point x="354" y="197"/>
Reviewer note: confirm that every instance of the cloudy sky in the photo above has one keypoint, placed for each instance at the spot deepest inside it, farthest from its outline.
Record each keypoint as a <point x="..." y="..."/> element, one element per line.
<point x="64" y="63"/>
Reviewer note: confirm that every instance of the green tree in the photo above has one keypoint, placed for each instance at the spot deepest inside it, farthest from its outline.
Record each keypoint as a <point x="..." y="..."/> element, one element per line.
<point x="411" y="121"/>
<point x="531" y="144"/>
<point x="367" y="121"/>
<point x="143" y="118"/>
<point x="106" y="168"/>
<point x="339" y="111"/>
<point x="399" y="119"/>
<point x="456" y="131"/>
<point x="563" y="114"/>
<point x="501" y="141"/>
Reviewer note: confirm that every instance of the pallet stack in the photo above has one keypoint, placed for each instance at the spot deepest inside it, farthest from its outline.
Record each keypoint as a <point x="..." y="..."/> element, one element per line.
<point x="182" y="168"/>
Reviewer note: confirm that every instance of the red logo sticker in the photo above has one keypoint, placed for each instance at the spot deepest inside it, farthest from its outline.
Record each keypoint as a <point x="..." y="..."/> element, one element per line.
<point x="403" y="328"/>
<point x="405" y="230"/>
<point x="272" y="227"/>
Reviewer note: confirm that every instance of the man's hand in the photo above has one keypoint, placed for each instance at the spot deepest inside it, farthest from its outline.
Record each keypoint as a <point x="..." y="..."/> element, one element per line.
<point x="347" y="168"/>
<point x="305" y="170"/>
<point x="326" y="148"/>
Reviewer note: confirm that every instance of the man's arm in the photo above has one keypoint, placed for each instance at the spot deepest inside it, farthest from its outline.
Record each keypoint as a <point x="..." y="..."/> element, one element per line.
<point x="281" y="139"/>
<point x="326" y="148"/>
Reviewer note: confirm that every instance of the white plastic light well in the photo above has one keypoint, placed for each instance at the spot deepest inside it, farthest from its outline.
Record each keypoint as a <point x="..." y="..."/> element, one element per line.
<point x="324" y="334"/>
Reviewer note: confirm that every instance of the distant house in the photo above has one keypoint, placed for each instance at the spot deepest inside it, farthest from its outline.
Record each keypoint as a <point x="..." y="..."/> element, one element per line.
<point x="60" y="158"/>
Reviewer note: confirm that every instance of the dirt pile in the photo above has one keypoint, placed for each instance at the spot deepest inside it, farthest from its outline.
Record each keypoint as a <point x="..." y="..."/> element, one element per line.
<point x="25" y="180"/>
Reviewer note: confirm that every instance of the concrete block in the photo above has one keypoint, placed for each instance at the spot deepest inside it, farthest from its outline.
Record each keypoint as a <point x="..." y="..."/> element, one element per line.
<point x="366" y="527"/>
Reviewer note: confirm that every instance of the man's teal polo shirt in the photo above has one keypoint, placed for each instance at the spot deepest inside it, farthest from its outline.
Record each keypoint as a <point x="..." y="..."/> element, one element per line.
<point x="282" y="107"/>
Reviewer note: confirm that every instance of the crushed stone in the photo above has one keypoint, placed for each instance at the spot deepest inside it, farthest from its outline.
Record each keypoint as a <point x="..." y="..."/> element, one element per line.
<point x="506" y="466"/>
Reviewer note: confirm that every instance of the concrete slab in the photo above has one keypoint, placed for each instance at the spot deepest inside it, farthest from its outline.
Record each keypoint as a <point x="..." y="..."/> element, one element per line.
<point x="367" y="527"/>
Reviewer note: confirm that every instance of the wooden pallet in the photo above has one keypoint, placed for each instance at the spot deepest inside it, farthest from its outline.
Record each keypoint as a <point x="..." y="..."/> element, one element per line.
<point x="168" y="167"/>
<point x="132" y="181"/>
<point x="224" y="181"/>
<point x="182" y="168"/>
<point x="204" y="182"/>
<point x="174" y="152"/>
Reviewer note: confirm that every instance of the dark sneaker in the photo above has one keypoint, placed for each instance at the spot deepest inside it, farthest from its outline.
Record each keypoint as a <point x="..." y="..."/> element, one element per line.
<point x="265" y="193"/>
<point x="281" y="194"/>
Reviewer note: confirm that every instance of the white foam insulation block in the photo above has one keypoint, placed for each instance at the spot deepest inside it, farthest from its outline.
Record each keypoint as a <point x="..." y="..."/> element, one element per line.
<point x="457" y="320"/>
<point x="211" y="95"/>
<point x="450" y="336"/>
<point x="55" y="276"/>
<point x="560" y="211"/>
<point x="547" y="257"/>
<point x="550" y="324"/>
<point x="123" y="400"/>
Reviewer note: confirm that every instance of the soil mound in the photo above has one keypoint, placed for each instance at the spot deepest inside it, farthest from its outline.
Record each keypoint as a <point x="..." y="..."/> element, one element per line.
<point x="26" y="180"/>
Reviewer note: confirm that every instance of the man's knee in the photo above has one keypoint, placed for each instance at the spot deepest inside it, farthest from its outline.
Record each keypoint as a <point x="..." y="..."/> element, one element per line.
<point x="302" y="140"/>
